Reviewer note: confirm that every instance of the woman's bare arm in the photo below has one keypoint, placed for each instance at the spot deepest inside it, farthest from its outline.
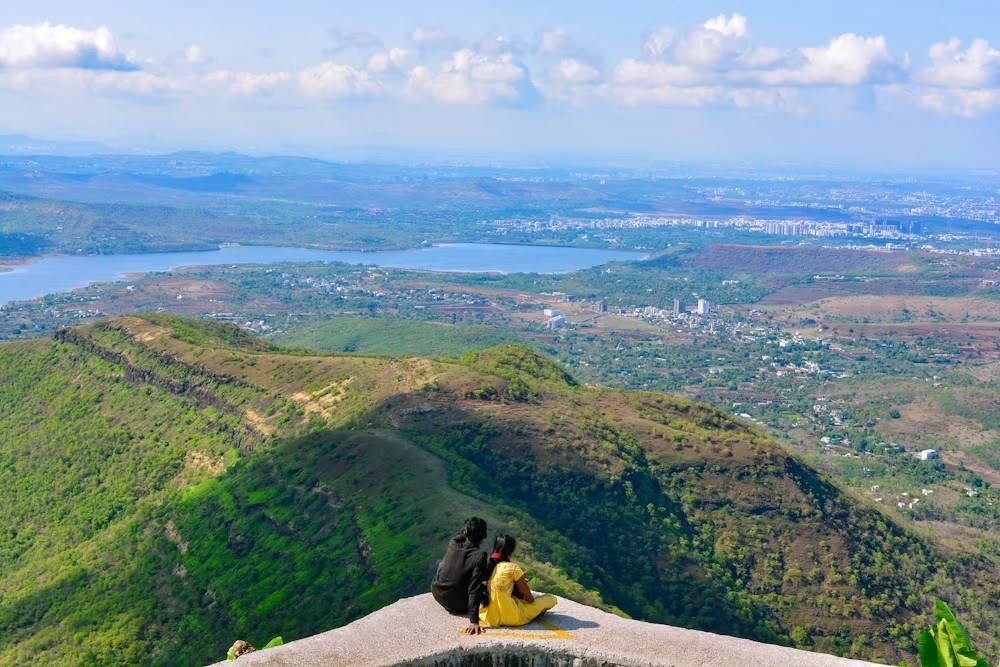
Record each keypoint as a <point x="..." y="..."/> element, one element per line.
<point x="522" y="588"/>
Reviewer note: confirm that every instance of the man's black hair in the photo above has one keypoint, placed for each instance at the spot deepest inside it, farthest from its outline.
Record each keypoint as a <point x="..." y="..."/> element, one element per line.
<point x="475" y="529"/>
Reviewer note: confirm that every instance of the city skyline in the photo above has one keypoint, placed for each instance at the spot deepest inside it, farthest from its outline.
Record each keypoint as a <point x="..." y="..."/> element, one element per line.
<point x="898" y="85"/>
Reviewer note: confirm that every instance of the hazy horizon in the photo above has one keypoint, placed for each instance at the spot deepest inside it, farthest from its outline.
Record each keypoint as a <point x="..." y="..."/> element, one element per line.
<point x="896" y="86"/>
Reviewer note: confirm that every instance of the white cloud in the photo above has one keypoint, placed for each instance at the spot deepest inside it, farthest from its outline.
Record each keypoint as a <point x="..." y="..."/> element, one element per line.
<point x="559" y="43"/>
<point x="143" y="85"/>
<point x="74" y="81"/>
<point x="976" y="67"/>
<point x="759" y="57"/>
<point x="379" y="63"/>
<point x="658" y="43"/>
<point x="194" y="55"/>
<point x="332" y="80"/>
<point x="712" y="63"/>
<point x="501" y="69"/>
<point x="247" y="83"/>
<point x="632" y="72"/>
<point x="471" y="77"/>
<point x="572" y="71"/>
<point x="48" y="45"/>
<point x="386" y="61"/>
<point x="398" y="56"/>
<point x="715" y="42"/>
<point x="575" y="72"/>
<point x="719" y="43"/>
<point x="718" y="63"/>
<point x="958" y="102"/>
<point x="443" y="86"/>
<point x="960" y="83"/>
<point x="734" y="26"/>
<point x="555" y="42"/>
<point x="848" y="60"/>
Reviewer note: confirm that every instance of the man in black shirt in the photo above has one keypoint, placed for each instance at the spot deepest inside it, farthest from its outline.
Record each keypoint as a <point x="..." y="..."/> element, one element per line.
<point x="459" y="584"/>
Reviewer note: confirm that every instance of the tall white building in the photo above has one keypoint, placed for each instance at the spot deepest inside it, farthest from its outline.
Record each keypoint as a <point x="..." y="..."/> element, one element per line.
<point x="704" y="307"/>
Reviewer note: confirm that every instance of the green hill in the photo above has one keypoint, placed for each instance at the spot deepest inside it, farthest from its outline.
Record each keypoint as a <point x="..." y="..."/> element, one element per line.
<point x="394" y="337"/>
<point x="171" y="485"/>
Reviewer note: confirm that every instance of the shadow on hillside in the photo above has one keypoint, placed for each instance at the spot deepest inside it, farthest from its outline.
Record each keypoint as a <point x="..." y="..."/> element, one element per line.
<point x="726" y="545"/>
<point x="596" y="513"/>
<point x="19" y="620"/>
<point x="332" y="525"/>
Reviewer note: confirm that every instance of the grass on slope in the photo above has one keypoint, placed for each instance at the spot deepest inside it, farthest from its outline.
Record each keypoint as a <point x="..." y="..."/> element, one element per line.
<point x="337" y="504"/>
<point x="679" y="514"/>
<point x="135" y="534"/>
<point x="400" y="338"/>
<point x="322" y="530"/>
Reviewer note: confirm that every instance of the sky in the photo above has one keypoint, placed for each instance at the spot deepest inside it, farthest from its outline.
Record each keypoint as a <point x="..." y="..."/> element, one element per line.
<point x="857" y="84"/>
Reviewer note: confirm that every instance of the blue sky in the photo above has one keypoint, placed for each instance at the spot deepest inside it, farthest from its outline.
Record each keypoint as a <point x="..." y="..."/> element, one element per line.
<point x="869" y="84"/>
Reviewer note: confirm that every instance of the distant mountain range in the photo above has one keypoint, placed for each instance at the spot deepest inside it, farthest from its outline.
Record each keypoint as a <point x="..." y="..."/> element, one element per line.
<point x="19" y="144"/>
<point x="115" y="203"/>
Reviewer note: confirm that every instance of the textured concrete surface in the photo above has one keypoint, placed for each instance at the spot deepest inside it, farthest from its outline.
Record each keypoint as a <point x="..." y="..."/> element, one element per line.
<point x="417" y="631"/>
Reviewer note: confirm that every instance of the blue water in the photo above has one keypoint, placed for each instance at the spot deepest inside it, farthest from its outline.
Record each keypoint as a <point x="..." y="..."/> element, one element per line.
<point x="51" y="275"/>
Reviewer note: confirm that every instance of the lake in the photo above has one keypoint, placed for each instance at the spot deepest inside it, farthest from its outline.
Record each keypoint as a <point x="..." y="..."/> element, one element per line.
<point x="51" y="275"/>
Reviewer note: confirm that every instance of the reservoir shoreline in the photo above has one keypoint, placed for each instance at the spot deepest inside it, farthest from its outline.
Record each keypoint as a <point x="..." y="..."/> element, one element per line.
<point x="25" y="280"/>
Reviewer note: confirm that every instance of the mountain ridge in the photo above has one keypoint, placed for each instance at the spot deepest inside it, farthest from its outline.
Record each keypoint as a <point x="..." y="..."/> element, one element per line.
<point x="179" y="462"/>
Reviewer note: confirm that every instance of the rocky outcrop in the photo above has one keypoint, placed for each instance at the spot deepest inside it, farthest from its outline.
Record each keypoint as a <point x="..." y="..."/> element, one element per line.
<point x="416" y="631"/>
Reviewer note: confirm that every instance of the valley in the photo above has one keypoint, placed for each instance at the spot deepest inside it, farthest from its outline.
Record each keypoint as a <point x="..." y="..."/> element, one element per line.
<point x="858" y="368"/>
<point x="729" y="435"/>
<point x="209" y="455"/>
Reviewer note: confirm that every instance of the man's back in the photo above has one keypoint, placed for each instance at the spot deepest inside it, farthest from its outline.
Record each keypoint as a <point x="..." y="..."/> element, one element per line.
<point x="458" y="585"/>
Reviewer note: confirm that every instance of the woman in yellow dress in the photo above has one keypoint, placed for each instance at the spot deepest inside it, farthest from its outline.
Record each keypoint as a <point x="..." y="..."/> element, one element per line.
<point x="510" y="599"/>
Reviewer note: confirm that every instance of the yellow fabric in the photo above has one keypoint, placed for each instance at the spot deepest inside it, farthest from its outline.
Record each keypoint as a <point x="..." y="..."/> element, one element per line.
<point x="504" y="608"/>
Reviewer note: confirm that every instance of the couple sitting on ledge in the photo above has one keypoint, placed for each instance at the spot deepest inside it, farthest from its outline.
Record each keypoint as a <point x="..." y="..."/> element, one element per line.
<point x="489" y="588"/>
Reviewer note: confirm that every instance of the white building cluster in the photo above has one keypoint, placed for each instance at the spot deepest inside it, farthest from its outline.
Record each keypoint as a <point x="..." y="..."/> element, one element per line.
<point x="556" y="319"/>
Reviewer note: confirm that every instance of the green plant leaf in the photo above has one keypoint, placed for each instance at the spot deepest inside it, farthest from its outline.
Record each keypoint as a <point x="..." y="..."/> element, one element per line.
<point x="946" y="653"/>
<point x="927" y="649"/>
<point x="951" y="645"/>
<point x="956" y="633"/>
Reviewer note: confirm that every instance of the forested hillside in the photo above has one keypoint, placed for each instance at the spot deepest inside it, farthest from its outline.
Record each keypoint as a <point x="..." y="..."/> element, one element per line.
<point x="171" y="485"/>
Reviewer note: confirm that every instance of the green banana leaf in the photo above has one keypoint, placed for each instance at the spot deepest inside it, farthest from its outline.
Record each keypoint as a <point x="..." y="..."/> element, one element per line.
<point x="946" y="644"/>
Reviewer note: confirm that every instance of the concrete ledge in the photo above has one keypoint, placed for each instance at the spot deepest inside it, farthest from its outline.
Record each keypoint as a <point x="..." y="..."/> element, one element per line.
<point x="416" y="631"/>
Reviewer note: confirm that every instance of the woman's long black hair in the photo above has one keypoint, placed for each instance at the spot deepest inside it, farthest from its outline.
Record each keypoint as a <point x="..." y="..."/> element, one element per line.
<point x="503" y="547"/>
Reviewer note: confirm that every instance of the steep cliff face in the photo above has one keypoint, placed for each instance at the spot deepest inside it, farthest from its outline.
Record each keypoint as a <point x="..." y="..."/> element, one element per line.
<point x="175" y="484"/>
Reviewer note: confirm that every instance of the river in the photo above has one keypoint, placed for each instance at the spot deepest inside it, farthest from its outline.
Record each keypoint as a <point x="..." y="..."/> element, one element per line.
<point x="51" y="275"/>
